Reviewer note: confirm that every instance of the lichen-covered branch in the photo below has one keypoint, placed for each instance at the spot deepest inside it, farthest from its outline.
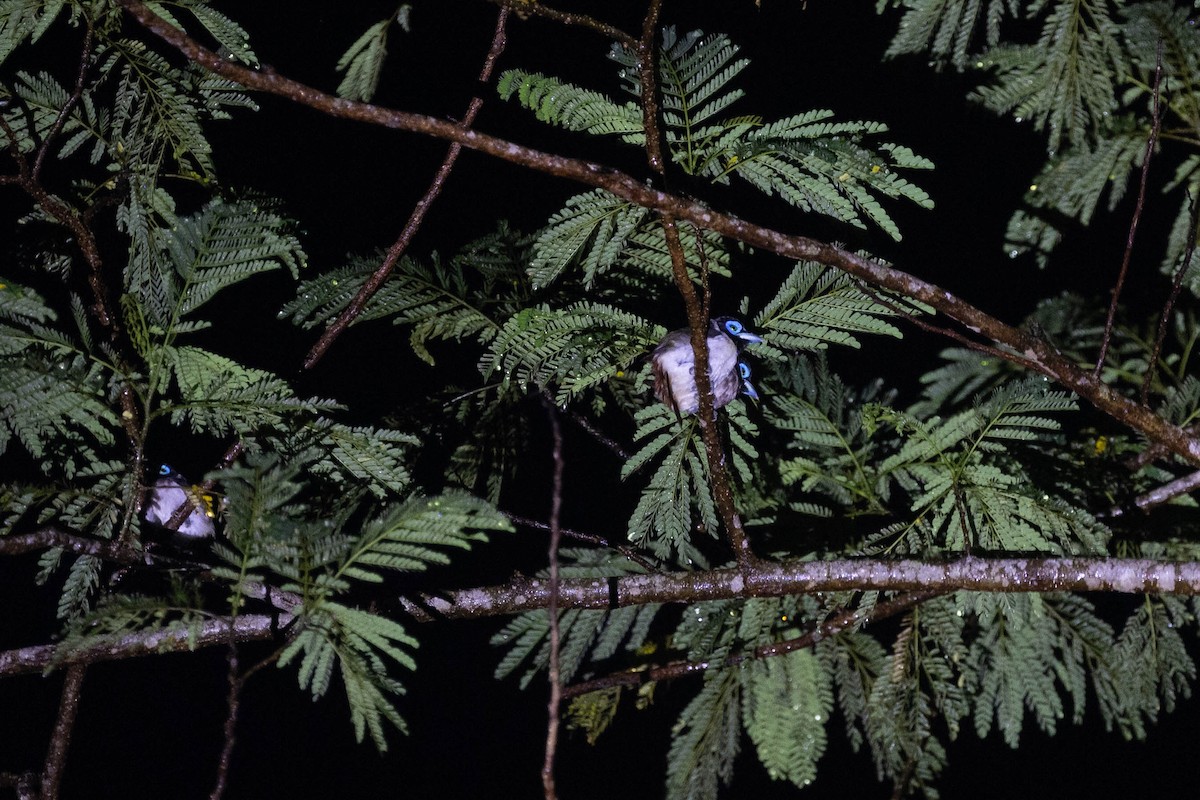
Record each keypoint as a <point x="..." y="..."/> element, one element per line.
<point x="246" y="628"/>
<point x="776" y="580"/>
<point x="1091" y="574"/>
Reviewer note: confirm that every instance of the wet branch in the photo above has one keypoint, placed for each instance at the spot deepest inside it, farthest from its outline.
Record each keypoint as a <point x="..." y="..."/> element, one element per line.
<point x="1005" y="575"/>
<point x="697" y="310"/>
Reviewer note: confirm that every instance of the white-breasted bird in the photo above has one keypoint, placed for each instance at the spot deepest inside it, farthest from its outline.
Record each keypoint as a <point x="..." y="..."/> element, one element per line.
<point x="171" y="491"/>
<point x="674" y="365"/>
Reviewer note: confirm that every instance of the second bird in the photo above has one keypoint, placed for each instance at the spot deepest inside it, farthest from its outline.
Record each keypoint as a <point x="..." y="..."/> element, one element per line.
<point x="675" y="366"/>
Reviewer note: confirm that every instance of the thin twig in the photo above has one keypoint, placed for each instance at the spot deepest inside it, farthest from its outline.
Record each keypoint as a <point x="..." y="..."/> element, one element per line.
<point x="236" y="684"/>
<point x="1164" y="319"/>
<point x="372" y="284"/>
<point x="1159" y="495"/>
<point x="233" y="704"/>
<point x="848" y="619"/>
<point x="525" y="9"/>
<point x="910" y="314"/>
<point x="1151" y="142"/>
<point x="555" y="673"/>
<point x="591" y="430"/>
<point x="72" y="101"/>
<point x="629" y="552"/>
<point x="60" y="740"/>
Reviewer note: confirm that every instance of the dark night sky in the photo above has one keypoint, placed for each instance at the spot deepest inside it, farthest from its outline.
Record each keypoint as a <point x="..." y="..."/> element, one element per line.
<point x="151" y="728"/>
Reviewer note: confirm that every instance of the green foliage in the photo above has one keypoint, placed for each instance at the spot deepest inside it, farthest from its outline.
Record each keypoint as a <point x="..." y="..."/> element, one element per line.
<point x="705" y="740"/>
<point x="356" y="642"/>
<point x="1071" y="186"/>
<point x="1066" y="82"/>
<point x="830" y="452"/>
<point x="455" y="300"/>
<point x="785" y="704"/>
<point x="677" y="501"/>
<point x="53" y="391"/>
<point x="332" y="516"/>
<point x="120" y="615"/>
<point x="947" y="29"/>
<point x="570" y="107"/>
<point x="817" y="306"/>
<point x="24" y="21"/>
<point x="576" y="348"/>
<point x="967" y="491"/>
<point x="807" y="160"/>
<point x="597" y="636"/>
<point x="363" y="61"/>
<point x="322" y="557"/>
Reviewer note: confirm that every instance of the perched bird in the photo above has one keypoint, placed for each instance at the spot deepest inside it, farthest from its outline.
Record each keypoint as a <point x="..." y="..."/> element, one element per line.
<point x="171" y="491"/>
<point x="747" y="386"/>
<point x="675" y="368"/>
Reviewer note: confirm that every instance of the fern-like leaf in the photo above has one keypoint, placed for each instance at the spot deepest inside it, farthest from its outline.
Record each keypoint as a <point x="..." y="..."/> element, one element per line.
<point x="786" y="703"/>
<point x="363" y="61"/>
<point x="705" y="740"/>
<point x="411" y="536"/>
<point x="574" y="349"/>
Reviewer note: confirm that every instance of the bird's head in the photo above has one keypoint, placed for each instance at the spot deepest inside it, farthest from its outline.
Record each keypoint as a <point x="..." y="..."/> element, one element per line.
<point x="734" y="329"/>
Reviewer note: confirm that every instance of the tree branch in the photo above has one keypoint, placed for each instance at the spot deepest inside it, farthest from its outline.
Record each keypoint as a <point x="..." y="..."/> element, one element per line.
<point x="553" y="670"/>
<point x="526" y="9"/>
<point x="372" y="284"/>
<point x="1161" y="494"/>
<point x="1122" y="274"/>
<point x="848" y="619"/>
<point x="697" y="311"/>
<point x="1084" y="574"/>
<point x="247" y="627"/>
<point x="45" y="538"/>
<point x="1039" y="355"/>
<point x="60" y="740"/>
<point x="1091" y="574"/>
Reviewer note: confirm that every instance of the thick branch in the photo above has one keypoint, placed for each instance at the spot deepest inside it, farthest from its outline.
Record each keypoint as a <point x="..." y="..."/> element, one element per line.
<point x="774" y="580"/>
<point x="246" y="628"/>
<point x="765" y="580"/>
<point x="45" y="538"/>
<point x="1037" y="354"/>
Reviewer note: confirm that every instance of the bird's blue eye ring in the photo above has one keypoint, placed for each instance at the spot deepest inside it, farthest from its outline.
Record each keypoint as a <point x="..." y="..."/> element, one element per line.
<point x="164" y="470"/>
<point x="733" y="326"/>
<point x="744" y="370"/>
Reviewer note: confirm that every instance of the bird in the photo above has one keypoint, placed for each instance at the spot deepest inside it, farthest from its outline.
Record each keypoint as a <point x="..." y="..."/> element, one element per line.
<point x="171" y="491"/>
<point x="674" y="365"/>
<point x="747" y="386"/>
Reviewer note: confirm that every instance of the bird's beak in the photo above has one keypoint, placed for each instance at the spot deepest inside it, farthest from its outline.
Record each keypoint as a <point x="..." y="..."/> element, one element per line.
<point x="747" y="336"/>
<point x="748" y="388"/>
